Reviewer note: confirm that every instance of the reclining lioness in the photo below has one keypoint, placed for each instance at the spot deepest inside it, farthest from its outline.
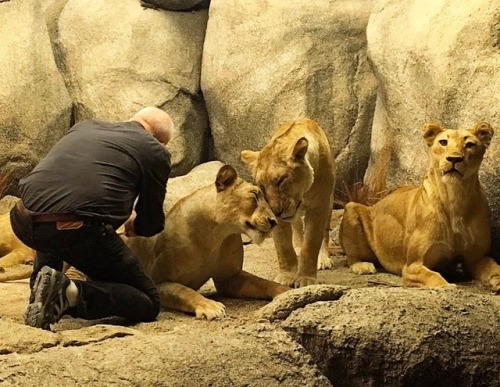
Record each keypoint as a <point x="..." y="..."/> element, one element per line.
<point x="202" y="240"/>
<point x="14" y="255"/>
<point x="420" y="231"/>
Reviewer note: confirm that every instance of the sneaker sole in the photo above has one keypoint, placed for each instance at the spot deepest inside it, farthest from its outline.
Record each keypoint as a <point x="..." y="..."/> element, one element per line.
<point x="34" y="315"/>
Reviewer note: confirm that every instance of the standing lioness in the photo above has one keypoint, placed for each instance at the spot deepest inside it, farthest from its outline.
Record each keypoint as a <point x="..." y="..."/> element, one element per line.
<point x="446" y="220"/>
<point x="295" y="170"/>
<point x="202" y="240"/>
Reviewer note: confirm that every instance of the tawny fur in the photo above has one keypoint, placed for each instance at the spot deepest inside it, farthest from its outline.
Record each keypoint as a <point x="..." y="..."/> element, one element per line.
<point x="16" y="259"/>
<point x="202" y="240"/>
<point x="295" y="169"/>
<point x="418" y="232"/>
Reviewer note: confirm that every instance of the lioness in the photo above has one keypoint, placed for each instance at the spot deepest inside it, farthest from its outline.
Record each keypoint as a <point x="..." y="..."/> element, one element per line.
<point x="295" y="170"/>
<point x="415" y="231"/>
<point x="13" y="253"/>
<point x="202" y="240"/>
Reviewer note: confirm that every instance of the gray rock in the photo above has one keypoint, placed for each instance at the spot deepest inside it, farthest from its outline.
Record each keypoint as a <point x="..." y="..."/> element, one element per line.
<point x="118" y="57"/>
<point x="200" y="176"/>
<point x="283" y="305"/>
<point x="265" y="63"/>
<point x="402" y="337"/>
<point x="251" y="354"/>
<point x="35" y="107"/>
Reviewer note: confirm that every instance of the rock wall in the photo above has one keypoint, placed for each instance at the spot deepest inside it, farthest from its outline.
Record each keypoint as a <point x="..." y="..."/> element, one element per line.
<point x="35" y="107"/>
<point x="267" y="62"/>
<point x="118" y="57"/>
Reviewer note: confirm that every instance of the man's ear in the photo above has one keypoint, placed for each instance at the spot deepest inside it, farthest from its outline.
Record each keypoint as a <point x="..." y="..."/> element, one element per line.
<point x="226" y="177"/>
<point x="249" y="157"/>
<point x="484" y="132"/>
<point x="430" y="131"/>
<point x="300" y="148"/>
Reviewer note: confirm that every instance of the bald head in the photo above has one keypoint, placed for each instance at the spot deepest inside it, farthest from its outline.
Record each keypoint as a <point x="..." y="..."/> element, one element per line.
<point x="157" y="122"/>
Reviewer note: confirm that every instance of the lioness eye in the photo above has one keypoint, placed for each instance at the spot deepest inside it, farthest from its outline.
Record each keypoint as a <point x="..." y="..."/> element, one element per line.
<point x="470" y="144"/>
<point x="443" y="142"/>
<point x="256" y="196"/>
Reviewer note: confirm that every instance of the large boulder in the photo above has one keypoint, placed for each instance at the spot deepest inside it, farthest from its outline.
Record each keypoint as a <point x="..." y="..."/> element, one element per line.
<point x="434" y="60"/>
<point x="184" y="355"/>
<point x="400" y="337"/>
<point x="119" y="57"/>
<point x="266" y="62"/>
<point x="35" y="108"/>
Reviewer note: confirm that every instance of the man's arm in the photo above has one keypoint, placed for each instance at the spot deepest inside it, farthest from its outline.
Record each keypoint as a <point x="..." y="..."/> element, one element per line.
<point x="150" y="219"/>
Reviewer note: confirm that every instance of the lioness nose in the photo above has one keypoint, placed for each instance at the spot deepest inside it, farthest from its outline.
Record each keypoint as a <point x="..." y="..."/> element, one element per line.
<point x="272" y="222"/>
<point x="455" y="159"/>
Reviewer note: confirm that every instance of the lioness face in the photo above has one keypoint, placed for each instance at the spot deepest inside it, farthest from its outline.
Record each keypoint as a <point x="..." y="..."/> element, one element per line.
<point x="243" y="204"/>
<point x="284" y="175"/>
<point x="457" y="153"/>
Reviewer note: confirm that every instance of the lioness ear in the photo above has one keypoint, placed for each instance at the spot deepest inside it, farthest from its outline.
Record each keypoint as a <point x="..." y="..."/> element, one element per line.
<point x="249" y="157"/>
<point x="431" y="130"/>
<point x="484" y="132"/>
<point x="226" y="177"/>
<point x="300" y="148"/>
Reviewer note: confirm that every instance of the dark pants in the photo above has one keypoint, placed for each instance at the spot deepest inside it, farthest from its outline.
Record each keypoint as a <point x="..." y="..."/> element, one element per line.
<point x="118" y="285"/>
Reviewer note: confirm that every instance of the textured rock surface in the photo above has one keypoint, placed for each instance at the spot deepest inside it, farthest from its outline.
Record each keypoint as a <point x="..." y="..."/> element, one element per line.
<point x="103" y="355"/>
<point x="118" y="57"/>
<point x="35" y="107"/>
<point x="267" y="62"/>
<point x="402" y="337"/>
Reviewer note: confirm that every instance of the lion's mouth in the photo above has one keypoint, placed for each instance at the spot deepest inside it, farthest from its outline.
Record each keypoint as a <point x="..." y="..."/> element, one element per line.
<point x="255" y="234"/>
<point x="256" y="229"/>
<point x="291" y="217"/>
<point x="453" y="170"/>
<point x="250" y="226"/>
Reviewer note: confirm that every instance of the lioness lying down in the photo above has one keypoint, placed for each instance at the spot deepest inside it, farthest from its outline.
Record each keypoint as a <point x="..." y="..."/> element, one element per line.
<point x="420" y="231"/>
<point x="295" y="170"/>
<point x="13" y="253"/>
<point x="202" y="240"/>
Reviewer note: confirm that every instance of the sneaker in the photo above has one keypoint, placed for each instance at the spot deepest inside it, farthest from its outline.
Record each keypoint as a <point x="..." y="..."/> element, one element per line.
<point x="48" y="300"/>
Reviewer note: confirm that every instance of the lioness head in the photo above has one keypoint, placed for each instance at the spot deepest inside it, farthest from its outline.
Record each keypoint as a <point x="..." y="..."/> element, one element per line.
<point x="284" y="174"/>
<point x="457" y="153"/>
<point x="242" y="204"/>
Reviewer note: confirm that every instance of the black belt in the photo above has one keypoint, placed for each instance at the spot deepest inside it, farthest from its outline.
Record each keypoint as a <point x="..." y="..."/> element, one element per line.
<point x="42" y="218"/>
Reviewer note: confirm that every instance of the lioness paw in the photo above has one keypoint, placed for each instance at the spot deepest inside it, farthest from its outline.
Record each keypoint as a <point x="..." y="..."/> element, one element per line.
<point x="210" y="310"/>
<point x="361" y="268"/>
<point x="495" y="283"/>
<point x="324" y="261"/>
<point x="301" y="281"/>
<point x="285" y="278"/>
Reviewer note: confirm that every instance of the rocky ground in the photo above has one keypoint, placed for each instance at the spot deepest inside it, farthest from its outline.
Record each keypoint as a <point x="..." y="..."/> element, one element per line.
<point x="257" y="344"/>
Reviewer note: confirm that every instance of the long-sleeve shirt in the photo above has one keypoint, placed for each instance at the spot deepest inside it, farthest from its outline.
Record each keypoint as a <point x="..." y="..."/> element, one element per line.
<point x="98" y="170"/>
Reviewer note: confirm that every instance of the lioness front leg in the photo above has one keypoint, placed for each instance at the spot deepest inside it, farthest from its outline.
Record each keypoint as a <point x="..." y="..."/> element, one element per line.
<point x="484" y="269"/>
<point x="353" y="239"/>
<point x="246" y="285"/>
<point x="419" y="276"/>
<point x="315" y="223"/>
<point x="287" y="258"/>
<point x="324" y="260"/>
<point x="180" y="297"/>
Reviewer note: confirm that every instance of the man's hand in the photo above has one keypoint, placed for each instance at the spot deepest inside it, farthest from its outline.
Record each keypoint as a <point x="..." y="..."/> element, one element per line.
<point x="129" y="225"/>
